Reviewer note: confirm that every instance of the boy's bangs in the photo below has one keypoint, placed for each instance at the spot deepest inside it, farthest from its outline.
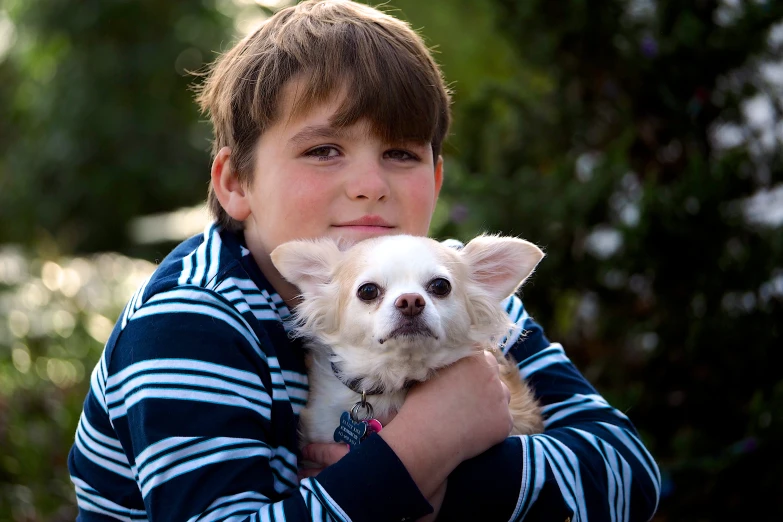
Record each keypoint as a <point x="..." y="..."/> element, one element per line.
<point x="389" y="88"/>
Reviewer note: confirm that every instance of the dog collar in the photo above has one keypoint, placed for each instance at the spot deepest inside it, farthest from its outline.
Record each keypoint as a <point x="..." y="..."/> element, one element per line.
<point x="354" y="384"/>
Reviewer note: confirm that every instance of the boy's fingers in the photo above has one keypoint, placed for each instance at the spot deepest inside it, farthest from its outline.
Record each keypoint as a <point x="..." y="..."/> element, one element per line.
<point x="491" y="359"/>
<point x="324" y="454"/>
<point x="309" y="472"/>
<point x="506" y="392"/>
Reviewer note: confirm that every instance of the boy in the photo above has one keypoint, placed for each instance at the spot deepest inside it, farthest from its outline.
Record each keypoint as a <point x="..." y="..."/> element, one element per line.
<point x="328" y="121"/>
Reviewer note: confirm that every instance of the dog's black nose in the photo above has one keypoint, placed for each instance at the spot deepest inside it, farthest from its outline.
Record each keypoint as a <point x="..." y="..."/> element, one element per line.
<point x="410" y="304"/>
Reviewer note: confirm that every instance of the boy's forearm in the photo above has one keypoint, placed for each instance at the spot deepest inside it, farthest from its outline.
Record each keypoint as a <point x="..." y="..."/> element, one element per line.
<point x="486" y="487"/>
<point x="436" y="501"/>
<point x="425" y="460"/>
<point x="589" y="460"/>
<point x="594" y="470"/>
<point x="371" y="482"/>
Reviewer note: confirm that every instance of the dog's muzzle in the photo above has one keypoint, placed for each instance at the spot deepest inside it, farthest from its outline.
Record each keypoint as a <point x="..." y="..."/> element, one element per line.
<point x="410" y="327"/>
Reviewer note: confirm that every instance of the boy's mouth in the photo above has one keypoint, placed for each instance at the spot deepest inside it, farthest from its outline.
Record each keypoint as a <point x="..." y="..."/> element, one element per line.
<point x="368" y="222"/>
<point x="364" y="228"/>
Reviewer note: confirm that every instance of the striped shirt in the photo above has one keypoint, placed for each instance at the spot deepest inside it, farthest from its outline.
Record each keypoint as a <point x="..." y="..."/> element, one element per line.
<point x="193" y="410"/>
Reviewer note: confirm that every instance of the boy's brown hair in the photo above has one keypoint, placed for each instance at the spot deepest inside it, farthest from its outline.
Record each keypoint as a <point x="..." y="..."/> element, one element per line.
<point x="382" y="64"/>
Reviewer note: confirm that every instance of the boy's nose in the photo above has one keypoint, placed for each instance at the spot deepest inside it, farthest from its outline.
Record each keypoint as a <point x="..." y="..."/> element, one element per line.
<point x="368" y="182"/>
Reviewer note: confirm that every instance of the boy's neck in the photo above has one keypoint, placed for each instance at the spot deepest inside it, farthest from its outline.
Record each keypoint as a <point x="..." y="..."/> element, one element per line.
<point x="287" y="292"/>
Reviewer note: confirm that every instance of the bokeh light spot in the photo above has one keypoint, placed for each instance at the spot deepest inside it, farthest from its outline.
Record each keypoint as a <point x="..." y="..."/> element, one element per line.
<point x="18" y="323"/>
<point x="52" y="275"/>
<point x="21" y="357"/>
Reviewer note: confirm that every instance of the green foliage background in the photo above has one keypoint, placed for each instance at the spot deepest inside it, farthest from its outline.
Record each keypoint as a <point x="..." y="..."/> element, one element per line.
<point x="591" y="129"/>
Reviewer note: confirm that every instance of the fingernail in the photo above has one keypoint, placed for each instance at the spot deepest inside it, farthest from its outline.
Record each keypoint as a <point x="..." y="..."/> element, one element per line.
<point x="348" y="447"/>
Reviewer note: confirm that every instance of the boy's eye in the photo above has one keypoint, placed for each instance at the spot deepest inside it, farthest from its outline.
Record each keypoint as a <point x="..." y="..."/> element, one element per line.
<point x="400" y="155"/>
<point x="323" y="152"/>
<point x="368" y="292"/>
<point x="439" y="287"/>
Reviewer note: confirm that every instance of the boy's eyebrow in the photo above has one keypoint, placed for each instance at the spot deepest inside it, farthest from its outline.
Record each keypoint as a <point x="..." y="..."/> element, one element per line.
<point x="316" y="131"/>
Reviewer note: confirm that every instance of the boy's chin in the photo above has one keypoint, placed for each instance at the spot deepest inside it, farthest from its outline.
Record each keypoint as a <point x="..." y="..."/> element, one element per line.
<point x="354" y="234"/>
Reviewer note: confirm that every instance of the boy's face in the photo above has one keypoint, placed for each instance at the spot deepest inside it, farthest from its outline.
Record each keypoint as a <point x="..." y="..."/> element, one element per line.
<point x="312" y="180"/>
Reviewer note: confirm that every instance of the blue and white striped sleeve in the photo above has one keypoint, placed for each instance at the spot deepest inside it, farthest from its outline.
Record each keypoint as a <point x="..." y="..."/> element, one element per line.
<point x="589" y="464"/>
<point x="196" y="419"/>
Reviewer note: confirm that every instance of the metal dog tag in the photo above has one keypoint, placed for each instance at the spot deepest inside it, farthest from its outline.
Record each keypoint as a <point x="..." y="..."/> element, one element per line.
<point x="350" y="431"/>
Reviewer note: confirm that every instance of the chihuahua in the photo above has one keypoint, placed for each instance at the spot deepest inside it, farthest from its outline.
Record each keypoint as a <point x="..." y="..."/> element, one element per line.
<point x="390" y="311"/>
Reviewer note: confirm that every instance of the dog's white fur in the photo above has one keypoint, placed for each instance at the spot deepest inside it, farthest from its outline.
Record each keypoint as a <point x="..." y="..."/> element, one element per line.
<point x="357" y="335"/>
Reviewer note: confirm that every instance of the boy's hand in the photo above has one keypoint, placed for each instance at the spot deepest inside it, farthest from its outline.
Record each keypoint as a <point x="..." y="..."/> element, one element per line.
<point x="459" y="413"/>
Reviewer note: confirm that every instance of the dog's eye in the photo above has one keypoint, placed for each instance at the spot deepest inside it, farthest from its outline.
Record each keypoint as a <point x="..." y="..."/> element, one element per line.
<point x="439" y="287"/>
<point x="368" y="292"/>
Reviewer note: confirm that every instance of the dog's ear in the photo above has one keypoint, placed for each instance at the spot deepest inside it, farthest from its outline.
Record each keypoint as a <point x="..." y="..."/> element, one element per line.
<point x="501" y="264"/>
<point x="307" y="264"/>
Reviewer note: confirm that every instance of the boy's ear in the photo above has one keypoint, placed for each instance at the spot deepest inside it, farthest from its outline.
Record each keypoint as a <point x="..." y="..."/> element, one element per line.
<point x="501" y="264"/>
<point x="227" y="187"/>
<point x="438" y="176"/>
<point x="307" y="264"/>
